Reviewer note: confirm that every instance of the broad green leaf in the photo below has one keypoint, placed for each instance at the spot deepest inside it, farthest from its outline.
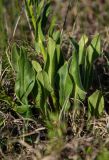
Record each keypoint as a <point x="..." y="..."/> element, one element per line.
<point x="40" y="95"/>
<point x="96" y="103"/>
<point x="54" y="59"/>
<point x="43" y="78"/>
<point x="93" y="51"/>
<point x="36" y="66"/>
<point x="79" y="93"/>
<point x="45" y="90"/>
<point x="82" y="44"/>
<point x="65" y="85"/>
<point x="59" y="56"/>
<point x="75" y="44"/>
<point x="51" y="60"/>
<point x="56" y="36"/>
<point x="74" y="71"/>
<point x="40" y="32"/>
<point x="52" y="26"/>
<point x="25" y="77"/>
<point x="41" y="98"/>
<point x="15" y="57"/>
<point x="41" y="39"/>
<point x="37" y="47"/>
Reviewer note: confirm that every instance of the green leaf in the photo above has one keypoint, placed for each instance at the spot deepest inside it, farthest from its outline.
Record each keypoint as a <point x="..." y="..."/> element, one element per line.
<point x="52" y="26"/>
<point x="75" y="44"/>
<point x="74" y="71"/>
<point x="40" y="32"/>
<point x="43" y="78"/>
<point x="80" y="94"/>
<point x="24" y="110"/>
<point x="36" y="66"/>
<point x="44" y="91"/>
<point x="65" y="85"/>
<point x="15" y="57"/>
<point x="41" y="98"/>
<point x="82" y="44"/>
<point x="56" y="36"/>
<point x="54" y="58"/>
<point x="40" y="46"/>
<point x="96" y="103"/>
<point x="46" y="12"/>
<point x="25" y="77"/>
<point x="40" y="95"/>
<point x="40" y="7"/>
<point x="93" y="51"/>
<point x="51" y="60"/>
<point x="30" y="11"/>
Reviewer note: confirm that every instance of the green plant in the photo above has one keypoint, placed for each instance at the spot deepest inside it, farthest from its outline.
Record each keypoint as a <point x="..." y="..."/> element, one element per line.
<point x="38" y="13"/>
<point x="96" y="103"/>
<point x="82" y="71"/>
<point x="25" y="78"/>
<point x="57" y="80"/>
<point x="85" y="58"/>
